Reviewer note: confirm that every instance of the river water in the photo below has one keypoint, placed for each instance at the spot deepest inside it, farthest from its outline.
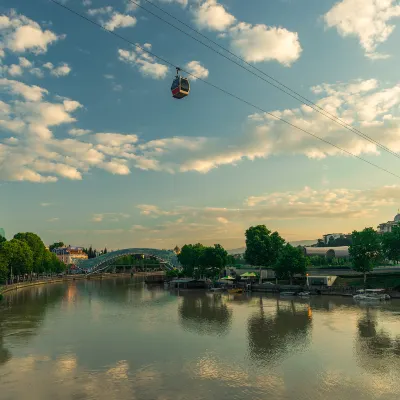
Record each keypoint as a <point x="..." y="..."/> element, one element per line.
<point x="115" y="339"/>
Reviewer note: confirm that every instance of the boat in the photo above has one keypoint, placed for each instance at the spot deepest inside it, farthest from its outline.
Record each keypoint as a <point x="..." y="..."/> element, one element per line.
<point x="371" y="295"/>
<point x="235" y="290"/>
<point x="304" y="294"/>
<point x="287" y="293"/>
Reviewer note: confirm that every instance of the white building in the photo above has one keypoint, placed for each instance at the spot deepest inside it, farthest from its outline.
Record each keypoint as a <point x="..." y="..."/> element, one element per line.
<point x="387" y="226"/>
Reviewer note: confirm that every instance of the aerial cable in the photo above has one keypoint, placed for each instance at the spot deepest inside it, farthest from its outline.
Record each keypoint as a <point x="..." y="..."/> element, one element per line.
<point x="290" y="92"/>
<point x="221" y="89"/>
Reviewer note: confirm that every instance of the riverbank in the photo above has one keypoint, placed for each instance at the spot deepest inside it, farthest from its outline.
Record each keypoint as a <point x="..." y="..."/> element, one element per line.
<point x="21" y="285"/>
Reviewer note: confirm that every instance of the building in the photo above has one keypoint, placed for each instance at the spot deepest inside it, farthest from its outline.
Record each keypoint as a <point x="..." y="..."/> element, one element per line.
<point x="68" y="254"/>
<point x="387" y="226"/>
<point x="328" y="252"/>
<point x="2" y="233"/>
<point x="330" y="236"/>
<point x="321" y="280"/>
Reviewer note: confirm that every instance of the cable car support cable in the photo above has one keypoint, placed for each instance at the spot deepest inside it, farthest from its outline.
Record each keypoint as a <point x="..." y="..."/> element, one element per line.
<point x="223" y="90"/>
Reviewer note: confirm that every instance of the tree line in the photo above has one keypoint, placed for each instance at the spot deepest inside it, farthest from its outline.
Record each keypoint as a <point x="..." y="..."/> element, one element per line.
<point x="266" y="249"/>
<point x="26" y="254"/>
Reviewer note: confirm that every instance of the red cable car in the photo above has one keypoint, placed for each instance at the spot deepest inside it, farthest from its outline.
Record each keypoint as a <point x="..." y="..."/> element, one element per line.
<point x="180" y="86"/>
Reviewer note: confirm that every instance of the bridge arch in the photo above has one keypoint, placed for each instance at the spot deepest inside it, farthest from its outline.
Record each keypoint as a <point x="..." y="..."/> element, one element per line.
<point x="98" y="264"/>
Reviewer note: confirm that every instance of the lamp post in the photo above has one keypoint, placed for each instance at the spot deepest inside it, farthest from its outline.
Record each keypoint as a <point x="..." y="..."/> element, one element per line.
<point x="308" y="285"/>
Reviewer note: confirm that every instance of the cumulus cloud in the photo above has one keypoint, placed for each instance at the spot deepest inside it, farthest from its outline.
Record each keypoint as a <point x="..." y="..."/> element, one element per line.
<point x="213" y="16"/>
<point x="79" y="132"/>
<point x="120" y="21"/>
<point x="21" y="34"/>
<point x="115" y="139"/>
<point x="116" y="19"/>
<point x="61" y="70"/>
<point x="183" y="3"/>
<point x="366" y="19"/>
<point x="195" y="68"/>
<point x="146" y="63"/>
<point x="256" y="43"/>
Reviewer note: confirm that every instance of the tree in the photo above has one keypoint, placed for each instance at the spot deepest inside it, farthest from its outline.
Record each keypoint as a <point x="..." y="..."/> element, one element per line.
<point x="391" y="244"/>
<point x="212" y="261"/>
<point x="365" y="250"/>
<point x="105" y="250"/>
<point x="189" y="257"/>
<point x="262" y="246"/>
<point x="18" y="256"/>
<point x="56" y="245"/>
<point x="4" y="271"/>
<point x="36" y="245"/>
<point x="291" y="261"/>
<point x="2" y="239"/>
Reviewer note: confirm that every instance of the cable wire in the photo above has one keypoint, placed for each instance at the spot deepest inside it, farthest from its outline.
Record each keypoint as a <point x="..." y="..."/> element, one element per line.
<point x="221" y="89"/>
<point x="296" y="95"/>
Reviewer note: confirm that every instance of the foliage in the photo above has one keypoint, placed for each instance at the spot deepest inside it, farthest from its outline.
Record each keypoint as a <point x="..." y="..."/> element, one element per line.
<point x="365" y="250"/>
<point x="198" y="260"/>
<point x="37" y="247"/>
<point x="262" y="246"/>
<point x="340" y="241"/>
<point x="2" y="239"/>
<point x="18" y="257"/>
<point x="291" y="261"/>
<point x="174" y="273"/>
<point x="391" y="244"/>
<point x="56" y="245"/>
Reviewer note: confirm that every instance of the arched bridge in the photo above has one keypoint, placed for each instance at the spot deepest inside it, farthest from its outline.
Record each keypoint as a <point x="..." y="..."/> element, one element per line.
<point x="98" y="264"/>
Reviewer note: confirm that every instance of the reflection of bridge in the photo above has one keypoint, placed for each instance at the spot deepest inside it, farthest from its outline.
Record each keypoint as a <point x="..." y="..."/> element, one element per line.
<point x="166" y="257"/>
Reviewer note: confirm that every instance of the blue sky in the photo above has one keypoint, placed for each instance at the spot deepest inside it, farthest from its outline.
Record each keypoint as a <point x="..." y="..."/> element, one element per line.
<point x="93" y="149"/>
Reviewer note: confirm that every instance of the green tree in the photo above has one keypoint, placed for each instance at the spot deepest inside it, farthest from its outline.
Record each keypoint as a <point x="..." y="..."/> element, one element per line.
<point x="18" y="256"/>
<point x="2" y="239"/>
<point x="391" y="244"/>
<point x="212" y="261"/>
<point x="291" y="261"/>
<point x="4" y="271"/>
<point x="262" y="246"/>
<point x="56" y="245"/>
<point x="189" y="257"/>
<point x="365" y="250"/>
<point x="105" y="250"/>
<point x="37" y="246"/>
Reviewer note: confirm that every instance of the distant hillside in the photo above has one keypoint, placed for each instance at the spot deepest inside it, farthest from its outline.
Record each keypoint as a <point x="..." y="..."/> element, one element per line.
<point x="241" y="250"/>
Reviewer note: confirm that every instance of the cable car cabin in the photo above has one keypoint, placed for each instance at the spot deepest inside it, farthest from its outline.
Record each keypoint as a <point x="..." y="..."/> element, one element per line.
<point x="180" y="87"/>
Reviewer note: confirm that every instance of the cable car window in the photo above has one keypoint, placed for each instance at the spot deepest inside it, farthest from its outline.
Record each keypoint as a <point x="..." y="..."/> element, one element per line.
<point x="184" y="85"/>
<point x="175" y="84"/>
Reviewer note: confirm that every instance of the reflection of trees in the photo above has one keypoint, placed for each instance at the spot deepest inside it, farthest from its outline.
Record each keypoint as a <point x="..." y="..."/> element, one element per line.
<point x="23" y="311"/>
<point x="203" y="314"/>
<point x="377" y="350"/>
<point x="273" y="336"/>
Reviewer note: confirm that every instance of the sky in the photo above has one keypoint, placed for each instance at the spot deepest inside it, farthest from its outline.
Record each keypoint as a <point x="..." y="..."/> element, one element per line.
<point x="95" y="151"/>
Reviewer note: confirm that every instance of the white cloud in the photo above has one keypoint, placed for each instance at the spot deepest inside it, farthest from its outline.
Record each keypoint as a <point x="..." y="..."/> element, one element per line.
<point x="21" y="34"/>
<point x="115" y="139"/>
<point x="116" y="167"/>
<point x="195" y="68"/>
<point x="53" y="219"/>
<point x="31" y="93"/>
<point x="100" y="11"/>
<point x="366" y="19"/>
<point x="213" y="16"/>
<point x="183" y="3"/>
<point x="79" y="132"/>
<point x="144" y="62"/>
<point x="45" y="204"/>
<point x="87" y="3"/>
<point x="15" y="70"/>
<point x="109" y="217"/>
<point x="62" y="70"/>
<point x="256" y="43"/>
<point x="120" y="21"/>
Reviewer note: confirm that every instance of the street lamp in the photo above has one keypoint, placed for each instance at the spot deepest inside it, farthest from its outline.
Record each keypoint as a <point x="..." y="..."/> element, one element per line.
<point x="307" y="280"/>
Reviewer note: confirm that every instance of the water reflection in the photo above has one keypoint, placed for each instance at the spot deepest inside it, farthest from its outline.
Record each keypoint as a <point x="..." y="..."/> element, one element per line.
<point x="273" y="336"/>
<point x="204" y="314"/>
<point x="377" y="350"/>
<point x="32" y="303"/>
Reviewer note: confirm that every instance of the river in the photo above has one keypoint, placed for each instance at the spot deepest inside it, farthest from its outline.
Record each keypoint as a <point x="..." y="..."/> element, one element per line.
<point x="115" y="339"/>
